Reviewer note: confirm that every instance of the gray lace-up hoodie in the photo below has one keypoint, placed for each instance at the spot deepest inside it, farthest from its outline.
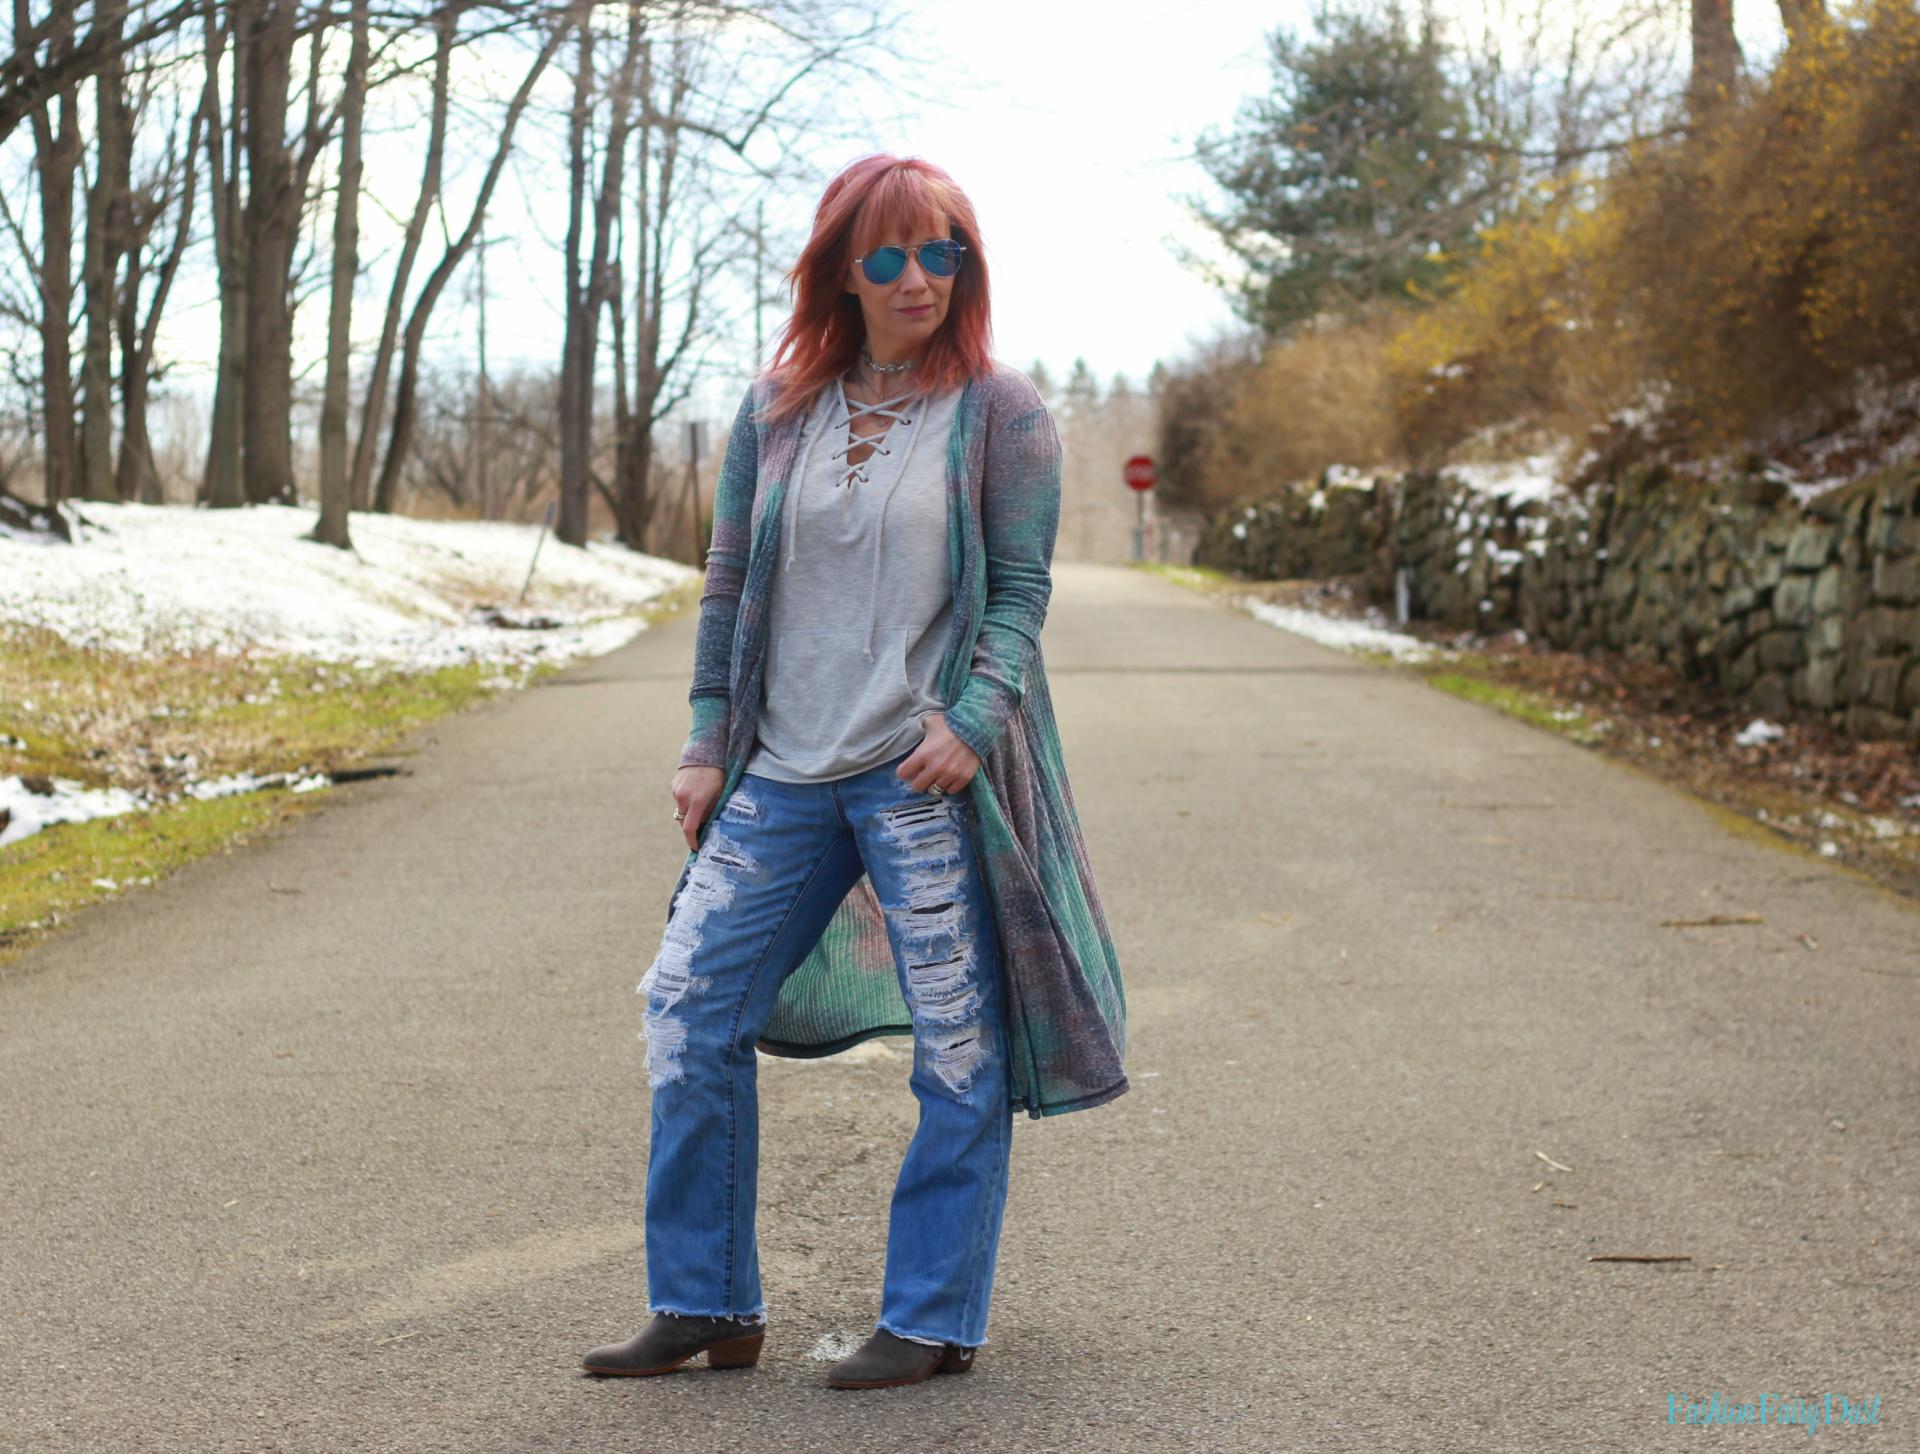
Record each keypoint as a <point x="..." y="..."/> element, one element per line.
<point x="850" y="675"/>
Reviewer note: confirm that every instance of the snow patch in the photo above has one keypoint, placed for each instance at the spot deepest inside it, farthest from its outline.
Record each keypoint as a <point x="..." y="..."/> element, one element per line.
<point x="1535" y="477"/>
<point x="71" y="801"/>
<point x="1336" y="631"/>
<point x="417" y="593"/>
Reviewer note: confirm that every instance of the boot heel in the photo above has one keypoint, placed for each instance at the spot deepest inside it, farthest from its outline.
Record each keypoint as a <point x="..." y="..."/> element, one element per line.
<point x="736" y="1352"/>
<point x="955" y="1360"/>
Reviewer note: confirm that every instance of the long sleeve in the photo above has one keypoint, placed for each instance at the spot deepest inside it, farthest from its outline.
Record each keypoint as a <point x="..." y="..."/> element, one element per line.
<point x="709" y="695"/>
<point x="1020" y="517"/>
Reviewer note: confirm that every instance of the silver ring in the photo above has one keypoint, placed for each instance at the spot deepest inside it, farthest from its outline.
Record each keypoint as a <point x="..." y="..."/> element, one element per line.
<point x="936" y="790"/>
<point x="679" y="817"/>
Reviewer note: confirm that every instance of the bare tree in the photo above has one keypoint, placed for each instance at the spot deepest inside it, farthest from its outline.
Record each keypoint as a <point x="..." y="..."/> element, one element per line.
<point x="171" y="184"/>
<point x="1552" y="86"/>
<point x="603" y="282"/>
<point x="655" y="236"/>
<point x="405" y="395"/>
<point x="446" y="25"/>
<point x="521" y="409"/>
<point x="693" y="226"/>
<point x="47" y="63"/>
<point x="635" y="416"/>
<point x="672" y="193"/>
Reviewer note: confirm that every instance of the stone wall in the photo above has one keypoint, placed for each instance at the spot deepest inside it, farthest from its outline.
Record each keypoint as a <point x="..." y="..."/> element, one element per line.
<point x="1812" y="606"/>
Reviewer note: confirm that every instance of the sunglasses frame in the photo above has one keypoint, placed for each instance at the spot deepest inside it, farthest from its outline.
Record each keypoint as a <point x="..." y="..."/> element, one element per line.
<point x="959" y="256"/>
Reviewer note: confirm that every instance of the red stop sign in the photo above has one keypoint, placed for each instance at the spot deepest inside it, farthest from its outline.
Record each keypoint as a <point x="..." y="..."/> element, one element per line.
<point x="1139" y="472"/>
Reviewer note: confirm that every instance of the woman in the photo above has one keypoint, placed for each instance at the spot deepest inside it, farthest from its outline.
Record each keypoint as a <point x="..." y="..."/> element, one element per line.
<point x="882" y="838"/>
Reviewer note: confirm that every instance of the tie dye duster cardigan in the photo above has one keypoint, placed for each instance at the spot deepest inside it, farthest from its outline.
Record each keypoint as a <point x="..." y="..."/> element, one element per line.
<point x="1066" y="1009"/>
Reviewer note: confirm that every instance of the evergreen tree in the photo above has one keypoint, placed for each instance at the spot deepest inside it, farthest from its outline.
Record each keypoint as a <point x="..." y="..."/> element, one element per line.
<point x="1082" y="392"/>
<point x="1355" y="176"/>
<point x="1042" y="380"/>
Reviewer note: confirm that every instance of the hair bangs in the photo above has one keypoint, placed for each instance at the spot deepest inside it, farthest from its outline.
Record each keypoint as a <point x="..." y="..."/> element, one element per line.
<point x="903" y="207"/>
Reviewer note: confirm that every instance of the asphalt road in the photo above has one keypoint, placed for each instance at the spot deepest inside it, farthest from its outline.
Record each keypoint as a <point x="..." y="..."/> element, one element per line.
<point x="338" y="1143"/>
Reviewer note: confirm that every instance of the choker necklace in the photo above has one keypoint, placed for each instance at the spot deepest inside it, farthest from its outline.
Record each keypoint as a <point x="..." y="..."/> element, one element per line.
<point x="880" y="368"/>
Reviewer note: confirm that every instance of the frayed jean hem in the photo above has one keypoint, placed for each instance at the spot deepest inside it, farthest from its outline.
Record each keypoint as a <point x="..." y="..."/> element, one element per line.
<point x="758" y="1315"/>
<point x="922" y="1337"/>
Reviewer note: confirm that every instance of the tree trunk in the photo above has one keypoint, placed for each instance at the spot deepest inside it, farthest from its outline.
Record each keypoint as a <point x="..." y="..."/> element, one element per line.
<point x="56" y="156"/>
<point x="600" y="289"/>
<point x="106" y="213"/>
<point x="336" y="497"/>
<point x="576" y="365"/>
<point x="617" y="296"/>
<point x="1801" y="18"/>
<point x="272" y="222"/>
<point x="135" y="478"/>
<point x="576" y="375"/>
<point x="632" y="503"/>
<point x="221" y="488"/>
<point x="1716" y="55"/>
<point x="622" y="413"/>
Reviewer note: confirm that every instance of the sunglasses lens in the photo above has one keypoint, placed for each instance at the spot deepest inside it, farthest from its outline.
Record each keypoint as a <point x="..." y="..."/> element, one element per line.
<point x="942" y="259"/>
<point x="884" y="264"/>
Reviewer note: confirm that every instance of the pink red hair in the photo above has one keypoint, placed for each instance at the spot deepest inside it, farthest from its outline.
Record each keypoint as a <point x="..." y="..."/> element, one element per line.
<point x="873" y="198"/>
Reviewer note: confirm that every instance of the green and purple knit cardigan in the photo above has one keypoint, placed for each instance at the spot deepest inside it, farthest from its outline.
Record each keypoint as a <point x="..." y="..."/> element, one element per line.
<point x="1066" y="1008"/>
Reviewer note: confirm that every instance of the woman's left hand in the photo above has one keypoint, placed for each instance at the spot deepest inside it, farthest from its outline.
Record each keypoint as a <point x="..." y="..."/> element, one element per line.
<point x="941" y="759"/>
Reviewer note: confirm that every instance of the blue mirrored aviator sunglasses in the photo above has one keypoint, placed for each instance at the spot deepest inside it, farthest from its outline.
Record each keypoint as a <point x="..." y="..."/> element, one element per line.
<point x="937" y="259"/>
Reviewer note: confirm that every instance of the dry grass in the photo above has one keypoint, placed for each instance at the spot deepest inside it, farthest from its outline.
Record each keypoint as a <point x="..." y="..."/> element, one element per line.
<point x="152" y="724"/>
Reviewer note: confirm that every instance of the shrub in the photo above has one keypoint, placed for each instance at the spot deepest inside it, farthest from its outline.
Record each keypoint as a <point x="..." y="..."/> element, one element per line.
<point x="1241" y="424"/>
<point x="1747" y="274"/>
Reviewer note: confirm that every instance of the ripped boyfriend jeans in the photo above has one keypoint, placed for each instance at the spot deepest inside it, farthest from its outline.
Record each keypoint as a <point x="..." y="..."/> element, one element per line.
<point x="775" y="864"/>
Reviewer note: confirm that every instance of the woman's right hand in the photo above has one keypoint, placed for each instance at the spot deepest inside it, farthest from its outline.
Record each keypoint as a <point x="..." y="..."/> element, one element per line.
<point x="694" y="790"/>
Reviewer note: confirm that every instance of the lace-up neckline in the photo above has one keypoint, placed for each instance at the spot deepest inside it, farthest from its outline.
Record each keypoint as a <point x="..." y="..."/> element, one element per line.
<point x="857" y="473"/>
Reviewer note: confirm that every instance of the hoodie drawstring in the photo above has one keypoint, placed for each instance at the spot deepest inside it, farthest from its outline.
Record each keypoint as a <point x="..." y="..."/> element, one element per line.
<point x="879" y="534"/>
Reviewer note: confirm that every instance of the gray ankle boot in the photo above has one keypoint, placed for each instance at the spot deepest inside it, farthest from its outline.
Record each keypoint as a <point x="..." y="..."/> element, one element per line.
<point x="671" y="1339"/>
<point x="887" y="1360"/>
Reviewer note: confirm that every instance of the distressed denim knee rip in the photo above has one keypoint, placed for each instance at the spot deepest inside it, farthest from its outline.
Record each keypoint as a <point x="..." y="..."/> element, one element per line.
<point x="709" y="887"/>
<point x="935" y="937"/>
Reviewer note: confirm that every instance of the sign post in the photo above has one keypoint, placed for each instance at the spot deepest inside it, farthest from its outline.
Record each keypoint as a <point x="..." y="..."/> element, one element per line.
<point x="1138" y="473"/>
